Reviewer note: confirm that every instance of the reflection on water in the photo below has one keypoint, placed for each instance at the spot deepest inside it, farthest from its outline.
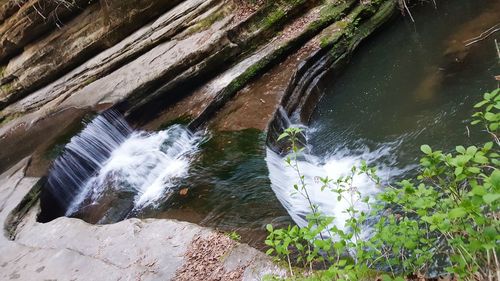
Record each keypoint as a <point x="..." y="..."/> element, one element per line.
<point x="411" y="85"/>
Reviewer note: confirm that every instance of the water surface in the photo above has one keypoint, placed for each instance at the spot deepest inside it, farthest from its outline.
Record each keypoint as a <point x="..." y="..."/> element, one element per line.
<point x="411" y="84"/>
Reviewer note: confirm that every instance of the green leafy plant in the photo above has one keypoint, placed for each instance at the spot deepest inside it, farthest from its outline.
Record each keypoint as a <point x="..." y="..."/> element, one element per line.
<point x="445" y="220"/>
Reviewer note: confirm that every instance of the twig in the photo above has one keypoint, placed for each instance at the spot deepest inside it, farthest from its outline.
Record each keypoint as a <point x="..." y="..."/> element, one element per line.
<point x="482" y="34"/>
<point x="498" y="49"/>
<point x="487" y="33"/>
<point x="408" y="10"/>
<point x="496" y="263"/>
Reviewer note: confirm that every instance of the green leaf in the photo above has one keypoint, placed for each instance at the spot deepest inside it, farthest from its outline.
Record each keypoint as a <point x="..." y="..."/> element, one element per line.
<point x="457" y="213"/>
<point x="474" y="170"/>
<point x="477" y="105"/>
<point x="460" y="149"/>
<point x="269" y="227"/>
<point x="495" y="179"/>
<point x="480" y="159"/>
<point x="471" y="150"/>
<point x="490" y="116"/>
<point x="479" y="190"/>
<point x="426" y="149"/>
<point x="283" y="135"/>
<point x="488" y="145"/>
<point x="386" y="277"/>
<point x="491" y="197"/>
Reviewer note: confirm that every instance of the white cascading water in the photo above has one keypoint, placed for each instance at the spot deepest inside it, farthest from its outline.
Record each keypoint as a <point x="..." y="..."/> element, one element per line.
<point x="109" y="156"/>
<point x="283" y="178"/>
<point x="84" y="154"/>
<point x="148" y="164"/>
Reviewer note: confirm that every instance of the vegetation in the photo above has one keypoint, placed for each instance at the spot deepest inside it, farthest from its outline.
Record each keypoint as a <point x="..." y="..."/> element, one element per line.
<point x="444" y="221"/>
<point x="234" y="236"/>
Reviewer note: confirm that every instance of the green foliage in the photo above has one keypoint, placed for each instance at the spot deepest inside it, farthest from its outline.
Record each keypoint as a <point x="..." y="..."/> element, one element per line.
<point x="234" y="236"/>
<point x="489" y="115"/>
<point x="445" y="219"/>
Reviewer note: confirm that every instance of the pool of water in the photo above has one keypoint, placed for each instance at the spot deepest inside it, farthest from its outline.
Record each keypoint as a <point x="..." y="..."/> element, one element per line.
<point x="411" y="84"/>
<point x="228" y="188"/>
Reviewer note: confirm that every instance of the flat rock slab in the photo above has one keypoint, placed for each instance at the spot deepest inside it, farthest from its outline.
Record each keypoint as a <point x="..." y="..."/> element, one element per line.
<point x="70" y="249"/>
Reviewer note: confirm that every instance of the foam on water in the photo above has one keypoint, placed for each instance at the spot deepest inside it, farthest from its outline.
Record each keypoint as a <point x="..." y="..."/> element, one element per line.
<point x="148" y="164"/>
<point x="339" y="163"/>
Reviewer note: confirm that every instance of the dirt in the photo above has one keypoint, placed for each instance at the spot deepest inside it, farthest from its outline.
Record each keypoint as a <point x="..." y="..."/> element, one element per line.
<point x="204" y="260"/>
<point x="245" y="8"/>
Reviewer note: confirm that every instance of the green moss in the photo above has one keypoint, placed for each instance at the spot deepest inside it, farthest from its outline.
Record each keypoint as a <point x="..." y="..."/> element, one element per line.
<point x="330" y="13"/>
<point x="7" y="118"/>
<point x="272" y="15"/>
<point x="205" y="23"/>
<point x="6" y="88"/>
<point x="273" y="18"/>
<point x="2" y="70"/>
<point x="353" y="26"/>
<point x="89" y="80"/>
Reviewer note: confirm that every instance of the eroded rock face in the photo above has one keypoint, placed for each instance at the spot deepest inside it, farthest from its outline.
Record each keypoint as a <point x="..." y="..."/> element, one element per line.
<point x="95" y="30"/>
<point x="33" y="19"/>
<point x="8" y="8"/>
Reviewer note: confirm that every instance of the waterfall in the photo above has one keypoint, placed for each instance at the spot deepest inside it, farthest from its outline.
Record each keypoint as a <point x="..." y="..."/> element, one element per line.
<point x="108" y="159"/>
<point x="338" y="164"/>
<point x="84" y="155"/>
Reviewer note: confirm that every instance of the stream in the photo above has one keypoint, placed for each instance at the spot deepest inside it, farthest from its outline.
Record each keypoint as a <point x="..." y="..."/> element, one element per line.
<point x="408" y="85"/>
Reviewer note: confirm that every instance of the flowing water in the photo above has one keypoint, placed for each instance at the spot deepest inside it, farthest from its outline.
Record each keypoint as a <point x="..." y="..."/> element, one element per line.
<point x="109" y="161"/>
<point x="410" y="84"/>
